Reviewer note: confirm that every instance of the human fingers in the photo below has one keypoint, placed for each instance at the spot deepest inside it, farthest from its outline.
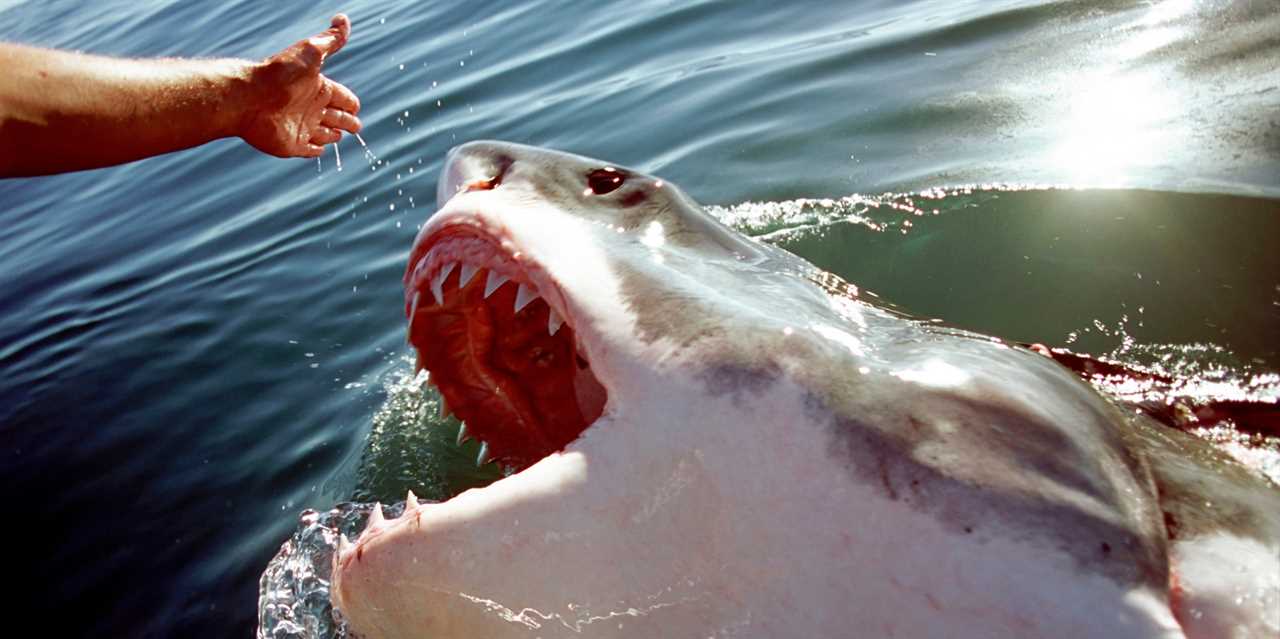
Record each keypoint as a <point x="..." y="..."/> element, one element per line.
<point x="342" y="98"/>
<point x="334" y="38"/>
<point x="343" y="24"/>
<point x="339" y="119"/>
<point x="325" y="135"/>
<point x="311" y="151"/>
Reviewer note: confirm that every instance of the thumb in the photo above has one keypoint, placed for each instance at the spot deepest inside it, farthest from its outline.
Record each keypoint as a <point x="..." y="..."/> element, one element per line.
<point x="332" y="40"/>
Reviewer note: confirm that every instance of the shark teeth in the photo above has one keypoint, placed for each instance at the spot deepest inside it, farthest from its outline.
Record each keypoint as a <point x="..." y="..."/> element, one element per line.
<point x="553" y="321"/>
<point x="494" y="281"/>
<point x="430" y="276"/>
<point x="468" y="271"/>
<point x="524" y="295"/>
<point x="413" y="307"/>
<point x="437" y="282"/>
<point x="376" y="518"/>
<point x="411" y="500"/>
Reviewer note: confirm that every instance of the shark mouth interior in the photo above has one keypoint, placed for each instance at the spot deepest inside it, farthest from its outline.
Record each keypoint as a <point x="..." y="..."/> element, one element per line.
<point x="506" y="363"/>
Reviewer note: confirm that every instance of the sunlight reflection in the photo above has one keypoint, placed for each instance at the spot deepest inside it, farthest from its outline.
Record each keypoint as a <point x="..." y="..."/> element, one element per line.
<point x="1167" y="11"/>
<point x="840" y="337"/>
<point x="1161" y="25"/>
<point x="654" y="236"/>
<point x="1118" y="118"/>
<point x="934" y="373"/>
<point x="1113" y="125"/>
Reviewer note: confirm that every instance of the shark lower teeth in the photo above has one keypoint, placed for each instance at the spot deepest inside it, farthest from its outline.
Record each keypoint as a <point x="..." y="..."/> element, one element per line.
<point x="484" y="456"/>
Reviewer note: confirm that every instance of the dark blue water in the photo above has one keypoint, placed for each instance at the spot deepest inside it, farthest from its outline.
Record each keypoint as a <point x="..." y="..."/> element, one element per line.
<point x="195" y="348"/>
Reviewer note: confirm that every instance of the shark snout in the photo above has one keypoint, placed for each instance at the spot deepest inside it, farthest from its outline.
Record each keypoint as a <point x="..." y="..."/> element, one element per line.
<point x="475" y="166"/>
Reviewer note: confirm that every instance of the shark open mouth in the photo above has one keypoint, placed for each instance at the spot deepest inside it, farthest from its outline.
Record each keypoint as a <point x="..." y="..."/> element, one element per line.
<point x="505" y="362"/>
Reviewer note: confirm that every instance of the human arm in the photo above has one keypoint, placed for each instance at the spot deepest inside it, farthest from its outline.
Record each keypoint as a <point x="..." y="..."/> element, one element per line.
<point x="63" y="111"/>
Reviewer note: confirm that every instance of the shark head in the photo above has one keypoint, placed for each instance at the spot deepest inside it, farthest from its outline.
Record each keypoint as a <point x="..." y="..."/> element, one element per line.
<point x="534" y="292"/>
<point x="708" y="436"/>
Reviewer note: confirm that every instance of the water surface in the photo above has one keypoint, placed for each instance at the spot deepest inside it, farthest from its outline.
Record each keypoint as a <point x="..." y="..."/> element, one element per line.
<point x="195" y="348"/>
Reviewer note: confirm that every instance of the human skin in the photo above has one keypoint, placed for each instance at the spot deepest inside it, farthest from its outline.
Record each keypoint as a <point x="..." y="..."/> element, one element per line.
<point x="63" y="111"/>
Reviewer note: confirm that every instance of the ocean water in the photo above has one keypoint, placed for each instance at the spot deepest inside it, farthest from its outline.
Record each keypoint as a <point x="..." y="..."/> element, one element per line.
<point x="196" y="348"/>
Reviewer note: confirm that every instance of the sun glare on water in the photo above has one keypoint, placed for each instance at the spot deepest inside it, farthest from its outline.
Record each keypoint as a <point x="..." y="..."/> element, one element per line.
<point x="1112" y="127"/>
<point x="1121" y="115"/>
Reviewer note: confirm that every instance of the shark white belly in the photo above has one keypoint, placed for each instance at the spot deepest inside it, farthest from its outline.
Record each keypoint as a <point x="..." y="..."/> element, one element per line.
<point x="715" y="439"/>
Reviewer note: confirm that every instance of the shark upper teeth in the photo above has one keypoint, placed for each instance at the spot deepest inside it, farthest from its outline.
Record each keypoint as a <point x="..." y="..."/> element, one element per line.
<point x="462" y="433"/>
<point x="468" y="271"/>
<point x="553" y="322"/>
<point x="483" y="457"/>
<point x="437" y="282"/>
<point x="492" y="282"/>
<point x="524" y="295"/>
<point x="413" y="315"/>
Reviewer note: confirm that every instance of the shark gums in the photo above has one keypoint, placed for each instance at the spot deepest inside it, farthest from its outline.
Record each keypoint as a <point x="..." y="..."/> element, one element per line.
<point x="713" y="438"/>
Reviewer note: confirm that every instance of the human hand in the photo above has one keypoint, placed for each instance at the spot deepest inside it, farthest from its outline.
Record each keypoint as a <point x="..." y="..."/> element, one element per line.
<point x="293" y="109"/>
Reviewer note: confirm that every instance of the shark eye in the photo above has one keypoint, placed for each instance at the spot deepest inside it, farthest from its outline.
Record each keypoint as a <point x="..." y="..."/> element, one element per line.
<point x="606" y="180"/>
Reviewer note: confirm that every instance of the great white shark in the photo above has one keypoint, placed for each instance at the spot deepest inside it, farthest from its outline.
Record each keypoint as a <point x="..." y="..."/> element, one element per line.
<point x="710" y="437"/>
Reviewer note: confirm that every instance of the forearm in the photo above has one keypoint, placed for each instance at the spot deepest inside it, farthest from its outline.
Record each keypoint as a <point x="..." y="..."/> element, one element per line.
<point x="62" y="111"/>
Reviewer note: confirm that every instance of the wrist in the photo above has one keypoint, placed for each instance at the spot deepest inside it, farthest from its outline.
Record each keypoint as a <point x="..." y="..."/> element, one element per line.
<point x="237" y="97"/>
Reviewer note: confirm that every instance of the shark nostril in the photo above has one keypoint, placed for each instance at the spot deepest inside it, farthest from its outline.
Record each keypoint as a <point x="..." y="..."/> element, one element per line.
<point x="482" y="185"/>
<point x="501" y="165"/>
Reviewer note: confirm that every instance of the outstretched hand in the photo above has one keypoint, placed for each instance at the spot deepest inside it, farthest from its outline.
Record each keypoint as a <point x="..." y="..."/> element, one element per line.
<point x="296" y="109"/>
